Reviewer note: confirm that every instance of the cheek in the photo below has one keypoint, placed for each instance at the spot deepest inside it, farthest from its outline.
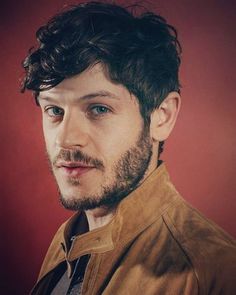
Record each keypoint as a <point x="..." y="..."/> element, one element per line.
<point x="115" y="143"/>
<point x="49" y="138"/>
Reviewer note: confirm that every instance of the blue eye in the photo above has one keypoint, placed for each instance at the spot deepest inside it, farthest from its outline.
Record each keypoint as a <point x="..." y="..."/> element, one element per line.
<point x="99" y="110"/>
<point x="54" y="111"/>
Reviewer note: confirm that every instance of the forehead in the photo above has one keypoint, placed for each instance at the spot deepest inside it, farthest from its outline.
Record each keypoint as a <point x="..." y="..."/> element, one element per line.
<point x="91" y="83"/>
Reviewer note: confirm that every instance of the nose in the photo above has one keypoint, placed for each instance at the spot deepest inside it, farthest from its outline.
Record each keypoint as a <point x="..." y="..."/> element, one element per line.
<point x="72" y="131"/>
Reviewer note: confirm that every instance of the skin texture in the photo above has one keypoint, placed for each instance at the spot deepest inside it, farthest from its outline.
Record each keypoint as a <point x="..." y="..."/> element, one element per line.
<point x="97" y="143"/>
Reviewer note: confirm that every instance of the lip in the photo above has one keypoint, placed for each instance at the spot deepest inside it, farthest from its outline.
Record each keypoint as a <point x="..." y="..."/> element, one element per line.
<point x="74" y="169"/>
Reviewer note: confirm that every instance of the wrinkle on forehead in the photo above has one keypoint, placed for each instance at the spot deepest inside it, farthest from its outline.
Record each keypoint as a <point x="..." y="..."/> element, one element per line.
<point x="93" y="82"/>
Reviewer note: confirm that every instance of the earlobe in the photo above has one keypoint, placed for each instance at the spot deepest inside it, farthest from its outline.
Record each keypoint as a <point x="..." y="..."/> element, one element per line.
<point x="164" y="117"/>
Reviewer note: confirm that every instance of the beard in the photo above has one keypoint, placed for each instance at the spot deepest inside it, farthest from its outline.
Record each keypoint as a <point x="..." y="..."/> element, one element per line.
<point x="128" y="171"/>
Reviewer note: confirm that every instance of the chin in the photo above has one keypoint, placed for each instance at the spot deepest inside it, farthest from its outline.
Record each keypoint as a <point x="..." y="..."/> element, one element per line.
<point x="78" y="204"/>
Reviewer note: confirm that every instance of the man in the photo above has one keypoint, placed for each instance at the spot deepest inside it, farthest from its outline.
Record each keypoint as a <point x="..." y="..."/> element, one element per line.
<point x="107" y="84"/>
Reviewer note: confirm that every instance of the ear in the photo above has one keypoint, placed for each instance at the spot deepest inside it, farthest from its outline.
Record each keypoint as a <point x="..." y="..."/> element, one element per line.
<point x="164" y="117"/>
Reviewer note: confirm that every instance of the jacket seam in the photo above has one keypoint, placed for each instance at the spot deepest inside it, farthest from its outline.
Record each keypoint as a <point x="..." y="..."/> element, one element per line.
<point x="156" y="218"/>
<point x="171" y="228"/>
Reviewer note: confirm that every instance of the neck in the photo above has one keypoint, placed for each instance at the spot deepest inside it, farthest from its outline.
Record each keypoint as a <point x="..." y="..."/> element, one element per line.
<point x="99" y="217"/>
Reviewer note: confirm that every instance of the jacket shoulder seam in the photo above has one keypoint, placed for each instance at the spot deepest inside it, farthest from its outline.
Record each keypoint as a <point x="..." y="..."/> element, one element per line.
<point x="179" y="240"/>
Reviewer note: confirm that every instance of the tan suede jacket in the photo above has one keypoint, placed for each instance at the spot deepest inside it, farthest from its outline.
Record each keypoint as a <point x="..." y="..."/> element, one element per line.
<point x="155" y="244"/>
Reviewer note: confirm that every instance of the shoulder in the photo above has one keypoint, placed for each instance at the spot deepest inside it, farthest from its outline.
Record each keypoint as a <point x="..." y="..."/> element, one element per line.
<point x="210" y="250"/>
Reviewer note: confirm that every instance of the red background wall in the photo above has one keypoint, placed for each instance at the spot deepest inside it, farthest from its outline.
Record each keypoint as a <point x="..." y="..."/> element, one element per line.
<point x="200" y="154"/>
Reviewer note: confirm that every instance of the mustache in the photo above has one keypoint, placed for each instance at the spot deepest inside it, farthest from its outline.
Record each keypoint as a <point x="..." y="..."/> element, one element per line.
<point x="77" y="156"/>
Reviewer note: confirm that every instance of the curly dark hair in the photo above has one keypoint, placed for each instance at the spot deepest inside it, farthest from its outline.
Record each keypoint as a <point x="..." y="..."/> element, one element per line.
<point x="140" y="52"/>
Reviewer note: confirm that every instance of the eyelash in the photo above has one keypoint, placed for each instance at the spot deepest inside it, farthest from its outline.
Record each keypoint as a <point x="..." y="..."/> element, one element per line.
<point x="53" y="108"/>
<point x="97" y="107"/>
<point x="101" y="111"/>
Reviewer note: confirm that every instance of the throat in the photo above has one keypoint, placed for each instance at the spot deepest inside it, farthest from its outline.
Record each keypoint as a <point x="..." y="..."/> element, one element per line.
<point x="99" y="217"/>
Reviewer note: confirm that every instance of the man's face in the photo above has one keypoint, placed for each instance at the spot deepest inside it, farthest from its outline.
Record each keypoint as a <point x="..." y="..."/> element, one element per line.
<point x="98" y="146"/>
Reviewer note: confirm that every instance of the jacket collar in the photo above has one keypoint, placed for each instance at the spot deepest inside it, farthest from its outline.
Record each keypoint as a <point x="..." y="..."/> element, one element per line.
<point x="136" y="212"/>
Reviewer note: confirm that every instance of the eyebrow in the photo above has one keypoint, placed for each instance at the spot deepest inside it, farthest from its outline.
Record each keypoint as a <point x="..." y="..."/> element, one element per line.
<point x="102" y="93"/>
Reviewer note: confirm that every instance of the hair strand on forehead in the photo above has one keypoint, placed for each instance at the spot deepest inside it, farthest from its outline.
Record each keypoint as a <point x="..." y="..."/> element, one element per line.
<point x="140" y="51"/>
